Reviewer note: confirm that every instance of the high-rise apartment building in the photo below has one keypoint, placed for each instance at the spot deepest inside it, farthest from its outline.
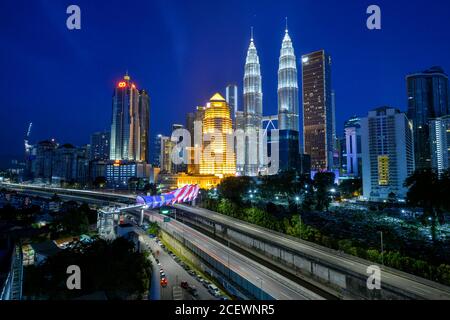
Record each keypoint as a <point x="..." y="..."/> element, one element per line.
<point x="440" y="143"/>
<point x="428" y="98"/>
<point x="387" y="153"/>
<point x="317" y="110"/>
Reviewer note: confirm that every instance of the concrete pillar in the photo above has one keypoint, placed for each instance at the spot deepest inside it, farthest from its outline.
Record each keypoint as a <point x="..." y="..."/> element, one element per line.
<point x="141" y="219"/>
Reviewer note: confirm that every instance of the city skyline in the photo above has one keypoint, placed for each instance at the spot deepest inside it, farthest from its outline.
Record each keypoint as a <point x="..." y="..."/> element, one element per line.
<point x="249" y="150"/>
<point x="383" y="81"/>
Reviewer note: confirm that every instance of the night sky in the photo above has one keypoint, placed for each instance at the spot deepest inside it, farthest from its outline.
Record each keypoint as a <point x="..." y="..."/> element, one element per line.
<point x="184" y="51"/>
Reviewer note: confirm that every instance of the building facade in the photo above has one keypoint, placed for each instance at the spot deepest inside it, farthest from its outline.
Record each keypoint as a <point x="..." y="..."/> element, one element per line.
<point x="231" y="96"/>
<point x="440" y="143"/>
<point x="387" y="153"/>
<point x="317" y="110"/>
<point x="428" y="98"/>
<point x="100" y="146"/>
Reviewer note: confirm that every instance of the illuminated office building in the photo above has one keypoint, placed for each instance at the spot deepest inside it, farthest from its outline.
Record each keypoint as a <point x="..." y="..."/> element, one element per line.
<point x="217" y="156"/>
<point x="129" y="134"/>
<point x="318" y="110"/>
<point x="130" y="123"/>
<point x="387" y="153"/>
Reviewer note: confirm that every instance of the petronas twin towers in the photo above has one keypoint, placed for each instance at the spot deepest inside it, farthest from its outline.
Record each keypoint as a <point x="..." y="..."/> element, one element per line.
<point x="288" y="115"/>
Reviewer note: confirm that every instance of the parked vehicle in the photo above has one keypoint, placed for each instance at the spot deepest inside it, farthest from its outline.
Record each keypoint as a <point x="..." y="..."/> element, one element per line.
<point x="193" y="291"/>
<point x="184" y="285"/>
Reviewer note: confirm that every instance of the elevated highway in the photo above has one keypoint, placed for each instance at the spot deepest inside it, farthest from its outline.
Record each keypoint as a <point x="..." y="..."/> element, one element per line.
<point x="342" y="274"/>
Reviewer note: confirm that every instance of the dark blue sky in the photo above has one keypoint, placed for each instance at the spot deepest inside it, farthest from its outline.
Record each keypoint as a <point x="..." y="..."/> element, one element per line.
<point x="184" y="51"/>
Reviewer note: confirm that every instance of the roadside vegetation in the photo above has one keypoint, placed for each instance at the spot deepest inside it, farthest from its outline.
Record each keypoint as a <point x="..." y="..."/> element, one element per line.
<point x="302" y="208"/>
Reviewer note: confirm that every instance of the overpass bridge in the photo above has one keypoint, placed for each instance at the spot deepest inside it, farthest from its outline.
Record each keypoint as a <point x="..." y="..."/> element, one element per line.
<point x="340" y="274"/>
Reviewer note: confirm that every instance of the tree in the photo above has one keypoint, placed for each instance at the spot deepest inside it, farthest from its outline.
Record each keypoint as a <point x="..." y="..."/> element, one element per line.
<point x="350" y="188"/>
<point x="100" y="182"/>
<point x="392" y="197"/>
<point x="323" y="181"/>
<point x="133" y="183"/>
<point x="150" y="188"/>
<point x="113" y="267"/>
<point x="233" y="188"/>
<point x="425" y="191"/>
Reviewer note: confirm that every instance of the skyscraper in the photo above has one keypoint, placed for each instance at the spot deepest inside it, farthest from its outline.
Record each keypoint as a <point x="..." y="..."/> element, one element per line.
<point x="130" y="122"/>
<point x="99" y="146"/>
<point x="387" y="153"/>
<point x="144" y="125"/>
<point x="288" y="126"/>
<point x="129" y="135"/>
<point x="218" y="156"/>
<point x="252" y="110"/>
<point x="287" y="87"/>
<point x="317" y="110"/>
<point x="428" y="98"/>
<point x="231" y="96"/>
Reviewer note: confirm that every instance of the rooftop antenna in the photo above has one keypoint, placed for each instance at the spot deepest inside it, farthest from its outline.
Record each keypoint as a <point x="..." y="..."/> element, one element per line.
<point x="286" y="24"/>
<point x="251" y="32"/>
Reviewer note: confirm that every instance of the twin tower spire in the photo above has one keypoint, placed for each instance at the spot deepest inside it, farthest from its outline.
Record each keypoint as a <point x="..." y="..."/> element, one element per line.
<point x="288" y="116"/>
<point x="288" y="113"/>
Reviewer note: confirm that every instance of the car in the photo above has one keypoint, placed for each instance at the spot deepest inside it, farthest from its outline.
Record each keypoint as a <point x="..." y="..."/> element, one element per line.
<point x="164" y="282"/>
<point x="192" y="273"/>
<point x="193" y="291"/>
<point x="157" y="260"/>
<point x="162" y="275"/>
<point x="184" y="285"/>
<point x="206" y="283"/>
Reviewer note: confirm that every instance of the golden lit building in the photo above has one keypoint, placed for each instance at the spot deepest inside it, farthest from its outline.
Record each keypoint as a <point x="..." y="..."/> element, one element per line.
<point x="204" y="181"/>
<point x="217" y="156"/>
<point x="214" y="157"/>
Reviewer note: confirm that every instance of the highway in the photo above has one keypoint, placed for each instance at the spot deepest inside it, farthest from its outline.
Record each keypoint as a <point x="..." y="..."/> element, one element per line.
<point x="272" y="283"/>
<point x="175" y="274"/>
<point x="419" y="286"/>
